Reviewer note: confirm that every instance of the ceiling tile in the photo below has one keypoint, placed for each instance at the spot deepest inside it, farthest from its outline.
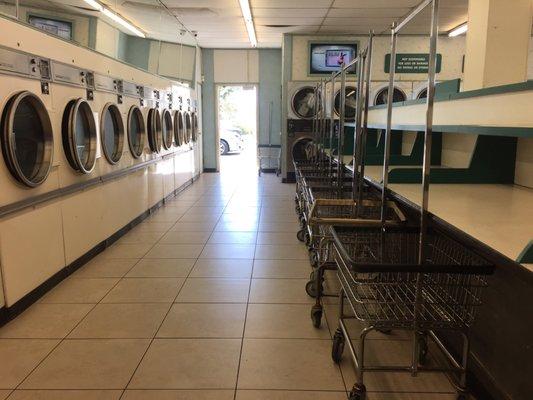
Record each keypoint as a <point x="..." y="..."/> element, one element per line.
<point x="303" y="4"/>
<point x="288" y="21"/>
<point x="375" y="3"/>
<point x="368" y="12"/>
<point x="283" y="12"/>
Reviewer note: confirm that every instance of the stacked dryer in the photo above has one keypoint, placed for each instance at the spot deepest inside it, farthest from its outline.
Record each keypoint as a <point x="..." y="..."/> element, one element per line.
<point x="302" y="109"/>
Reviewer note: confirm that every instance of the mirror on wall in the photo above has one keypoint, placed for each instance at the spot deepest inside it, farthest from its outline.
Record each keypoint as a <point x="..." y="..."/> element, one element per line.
<point x="143" y="33"/>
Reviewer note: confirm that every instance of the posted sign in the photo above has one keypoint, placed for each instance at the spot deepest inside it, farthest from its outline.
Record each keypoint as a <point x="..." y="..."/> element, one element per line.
<point x="411" y="63"/>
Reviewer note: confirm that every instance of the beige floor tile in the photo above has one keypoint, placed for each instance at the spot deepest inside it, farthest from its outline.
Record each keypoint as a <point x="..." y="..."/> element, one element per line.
<point x="236" y="226"/>
<point x="281" y="269"/>
<point x="135" y="321"/>
<point x="181" y="237"/>
<point x="134" y="237"/>
<point x="214" y="290"/>
<point x="193" y="226"/>
<point x="199" y="217"/>
<point x="4" y="394"/>
<point x="222" y="268"/>
<point x="126" y="250"/>
<point x="105" y="268"/>
<point x="148" y="226"/>
<point x="204" y="321"/>
<point x="175" y="251"/>
<point x="23" y="355"/>
<point x="279" y="291"/>
<point x="66" y="395"/>
<point x="229" y="237"/>
<point x="290" y="364"/>
<point x="145" y="290"/>
<point x="86" y="290"/>
<point x="239" y="217"/>
<point x="281" y="252"/>
<point x="162" y="268"/>
<point x="288" y="395"/>
<point x="265" y="226"/>
<point x="178" y="395"/>
<point x="284" y="238"/>
<point x="245" y="251"/>
<point x="189" y="364"/>
<point x="88" y="364"/>
<point x="277" y="321"/>
<point x="172" y="215"/>
<point x="45" y="321"/>
<point x="206" y="210"/>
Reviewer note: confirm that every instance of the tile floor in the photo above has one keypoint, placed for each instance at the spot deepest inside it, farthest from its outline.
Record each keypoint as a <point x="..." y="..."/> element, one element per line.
<point x="203" y="300"/>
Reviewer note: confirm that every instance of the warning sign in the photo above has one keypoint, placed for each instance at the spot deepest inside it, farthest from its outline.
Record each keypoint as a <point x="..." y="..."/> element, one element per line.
<point x="412" y="63"/>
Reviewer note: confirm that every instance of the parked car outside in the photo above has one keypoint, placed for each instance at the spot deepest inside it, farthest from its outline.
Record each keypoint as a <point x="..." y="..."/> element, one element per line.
<point x="231" y="141"/>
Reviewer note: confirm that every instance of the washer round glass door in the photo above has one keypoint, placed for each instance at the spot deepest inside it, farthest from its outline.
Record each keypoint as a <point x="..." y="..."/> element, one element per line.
<point x="136" y="131"/>
<point x="194" y="129"/>
<point x="178" y="128"/>
<point x="350" y="104"/>
<point x="382" y="96"/>
<point x="154" y="130"/>
<point x="79" y="135"/>
<point x="188" y="127"/>
<point x="27" y="139"/>
<point x="112" y="128"/>
<point x="303" y="102"/>
<point x="168" y="130"/>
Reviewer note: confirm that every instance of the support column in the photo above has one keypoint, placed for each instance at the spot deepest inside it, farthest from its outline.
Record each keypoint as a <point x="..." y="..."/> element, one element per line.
<point x="497" y="42"/>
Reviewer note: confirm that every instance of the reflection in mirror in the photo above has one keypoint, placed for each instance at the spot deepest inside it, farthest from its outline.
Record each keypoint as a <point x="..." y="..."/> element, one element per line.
<point x="142" y="33"/>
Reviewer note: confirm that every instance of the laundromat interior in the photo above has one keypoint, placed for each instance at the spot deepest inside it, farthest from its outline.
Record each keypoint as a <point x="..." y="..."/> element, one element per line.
<point x="266" y="199"/>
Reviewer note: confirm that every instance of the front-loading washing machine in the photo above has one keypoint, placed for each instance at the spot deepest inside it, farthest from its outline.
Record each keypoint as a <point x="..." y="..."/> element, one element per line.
<point x="302" y="100"/>
<point x="379" y="92"/>
<point x="420" y="90"/>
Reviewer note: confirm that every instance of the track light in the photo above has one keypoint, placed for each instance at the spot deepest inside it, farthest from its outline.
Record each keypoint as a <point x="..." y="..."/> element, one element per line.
<point x="115" y="17"/>
<point x="248" y="20"/>
<point x="458" y="30"/>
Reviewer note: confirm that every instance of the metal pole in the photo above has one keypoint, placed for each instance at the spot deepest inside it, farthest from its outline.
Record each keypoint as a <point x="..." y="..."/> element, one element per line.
<point x="332" y="123"/>
<point x="315" y="121"/>
<point x="426" y="168"/>
<point x="386" y="154"/>
<point x="341" y="127"/>
<point x="368" y="77"/>
<point x="358" y="125"/>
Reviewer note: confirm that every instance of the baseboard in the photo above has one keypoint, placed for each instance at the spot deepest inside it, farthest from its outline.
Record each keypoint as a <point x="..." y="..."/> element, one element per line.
<point x="291" y="178"/>
<point x="210" y="170"/>
<point x="9" y="313"/>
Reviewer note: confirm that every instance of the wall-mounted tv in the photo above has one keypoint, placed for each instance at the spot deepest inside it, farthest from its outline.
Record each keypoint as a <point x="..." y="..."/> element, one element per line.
<point x="325" y="58"/>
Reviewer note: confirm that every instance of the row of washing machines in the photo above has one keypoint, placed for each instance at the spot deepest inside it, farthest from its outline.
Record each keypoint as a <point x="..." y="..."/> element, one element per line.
<point x="54" y="114"/>
<point x="83" y="155"/>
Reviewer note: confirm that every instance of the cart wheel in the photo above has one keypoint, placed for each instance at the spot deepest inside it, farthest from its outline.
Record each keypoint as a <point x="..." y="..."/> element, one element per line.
<point x="358" y="393"/>
<point x="310" y="289"/>
<point x="338" y="346"/>
<point x="300" y="235"/>
<point x="316" y="315"/>
<point x="422" y="350"/>
<point x="307" y="239"/>
<point x="312" y="275"/>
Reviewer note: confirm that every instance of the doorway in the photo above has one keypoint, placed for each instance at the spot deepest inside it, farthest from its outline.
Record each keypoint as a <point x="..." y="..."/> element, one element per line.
<point x="237" y="128"/>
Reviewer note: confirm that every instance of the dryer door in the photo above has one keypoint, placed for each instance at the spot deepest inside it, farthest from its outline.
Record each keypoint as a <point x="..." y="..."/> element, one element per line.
<point x="154" y="130"/>
<point x="79" y="136"/>
<point x="112" y="133"/>
<point x="168" y="130"/>
<point x="188" y="127"/>
<point x="382" y="96"/>
<point x="178" y="128"/>
<point x="303" y="102"/>
<point x="136" y="131"/>
<point x="350" y="106"/>
<point x="27" y="139"/>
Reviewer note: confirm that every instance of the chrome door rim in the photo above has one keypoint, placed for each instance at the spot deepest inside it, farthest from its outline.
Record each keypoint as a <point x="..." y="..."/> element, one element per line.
<point x="178" y="128"/>
<point x="188" y="128"/>
<point x="155" y="133"/>
<point x="69" y="139"/>
<point x="113" y="109"/>
<point x="135" y="112"/>
<point x="167" y="117"/>
<point x="8" y="137"/>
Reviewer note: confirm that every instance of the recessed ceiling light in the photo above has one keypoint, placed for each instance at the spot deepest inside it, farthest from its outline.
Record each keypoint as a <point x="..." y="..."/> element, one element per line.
<point x="115" y="17"/>
<point x="458" y="30"/>
<point x="248" y="20"/>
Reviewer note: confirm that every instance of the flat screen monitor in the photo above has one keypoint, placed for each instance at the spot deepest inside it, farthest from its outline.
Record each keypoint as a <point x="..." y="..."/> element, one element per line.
<point x="325" y="58"/>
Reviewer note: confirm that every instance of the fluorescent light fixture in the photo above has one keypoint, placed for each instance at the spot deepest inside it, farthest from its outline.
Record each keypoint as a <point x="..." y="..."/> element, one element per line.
<point x="459" y="30"/>
<point x="118" y="19"/>
<point x="95" y="5"/>
<point x="248" y="20"/>
<point x="115" y="17"/>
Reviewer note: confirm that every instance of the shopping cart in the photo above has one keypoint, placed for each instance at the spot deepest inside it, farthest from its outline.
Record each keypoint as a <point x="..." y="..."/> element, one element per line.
<point x="268" y="158"/>
<point x="387" y="289"/>
<point x="419" y="278"/>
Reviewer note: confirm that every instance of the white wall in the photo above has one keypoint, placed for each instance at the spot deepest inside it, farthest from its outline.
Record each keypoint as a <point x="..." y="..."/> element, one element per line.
<point x="236" y="66"/>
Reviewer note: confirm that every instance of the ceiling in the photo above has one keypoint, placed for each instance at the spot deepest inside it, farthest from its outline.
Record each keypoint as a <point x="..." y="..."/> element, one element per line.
<point x="219" y="23"/>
